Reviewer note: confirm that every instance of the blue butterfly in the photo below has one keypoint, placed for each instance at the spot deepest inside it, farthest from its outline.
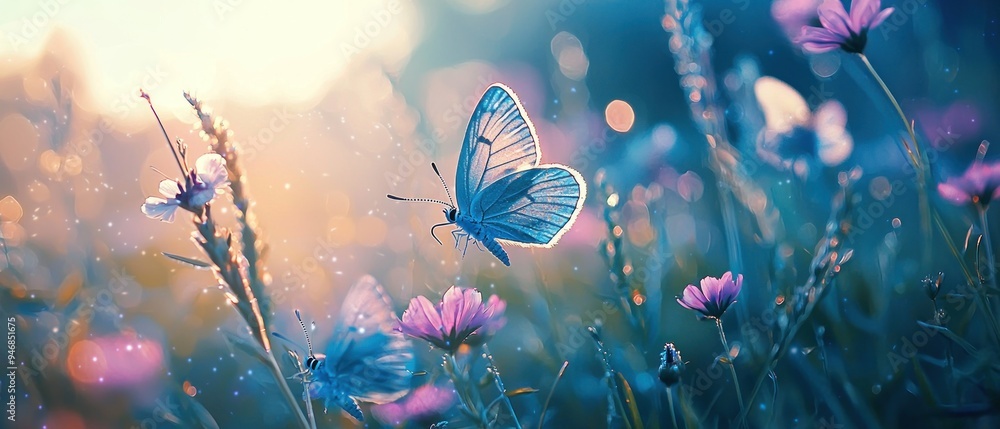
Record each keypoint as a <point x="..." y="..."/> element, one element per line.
<point x="504" y="195"/>
<point x="367" y="360"/>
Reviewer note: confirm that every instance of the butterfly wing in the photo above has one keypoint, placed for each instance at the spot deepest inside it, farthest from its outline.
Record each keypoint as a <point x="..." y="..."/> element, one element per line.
<point x="834" y="142"/>
<point x="783" y="106"/>
<point x="532" y="207"/>
<point x="367" y="359"/>
<point x="499" y="141"/>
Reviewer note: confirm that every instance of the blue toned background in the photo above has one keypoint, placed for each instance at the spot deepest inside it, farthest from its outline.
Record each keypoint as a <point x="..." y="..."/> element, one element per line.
<point x="335" y="105"/>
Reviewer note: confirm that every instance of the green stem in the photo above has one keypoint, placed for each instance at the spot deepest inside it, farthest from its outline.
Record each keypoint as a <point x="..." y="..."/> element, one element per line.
<point x="916" y="157"/>
<point x="275" y="370"/>
<point x="979" y="295"/>
<point x="732" y="368"/>
<point x="670" y="401"/>
<point x="499" y="384"/>
<point x="990" y="261"/>
<point x="471" y="406"/>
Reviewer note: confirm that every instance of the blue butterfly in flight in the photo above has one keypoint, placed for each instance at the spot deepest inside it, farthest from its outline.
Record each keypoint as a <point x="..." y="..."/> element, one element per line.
<point x="367" y="360"/>
<point x="504" y="194"/>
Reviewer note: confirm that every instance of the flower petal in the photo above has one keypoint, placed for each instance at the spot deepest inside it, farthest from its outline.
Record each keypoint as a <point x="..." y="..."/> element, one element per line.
<point x="421" y="319"/>
<point x="159" y="208"/>
<point x="731" y="289"/>
<point x="693" y="299"/>
<point x="816" y="34"/>
<point x="819" y="47"/>
<point x="211" y="170"/>
<point x="462" y="311"/>
<point x="953" y="193"/>
<point x="711" y="287"/>
<point x="818" y="40"/>
<point x="862" y="12"/>
<point x="834" y="18"/>
<point x="880" y="18"/>
<point x="169" y="188"/>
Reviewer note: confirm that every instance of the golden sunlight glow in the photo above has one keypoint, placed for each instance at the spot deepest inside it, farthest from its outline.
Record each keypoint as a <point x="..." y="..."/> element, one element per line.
<point x="218" y="49"/>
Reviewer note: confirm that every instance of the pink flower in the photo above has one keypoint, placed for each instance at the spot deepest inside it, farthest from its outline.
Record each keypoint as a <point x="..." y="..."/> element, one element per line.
<point x="842" y="30"/>
<point x="425" y="404"/>
<point x="448" y="324"/>
<point x="714" y="296"/>
<point x="978" y="185"/>
<point x="200" y="187"/>
<point x="791" y="15"/>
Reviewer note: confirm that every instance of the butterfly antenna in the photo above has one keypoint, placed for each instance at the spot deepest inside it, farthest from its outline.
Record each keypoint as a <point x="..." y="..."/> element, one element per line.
<point x="309" y="344"/>
<point x="419" y="200"/>
<point x="443" y="183"/>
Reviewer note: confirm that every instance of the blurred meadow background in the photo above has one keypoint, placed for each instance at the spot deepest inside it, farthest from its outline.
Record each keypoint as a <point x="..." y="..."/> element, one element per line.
<point x="685" y="118"/>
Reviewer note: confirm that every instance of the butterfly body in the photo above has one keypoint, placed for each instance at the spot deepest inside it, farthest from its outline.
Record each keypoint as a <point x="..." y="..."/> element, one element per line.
<point x="473" y="229"/>
<point x="504" y="195"/>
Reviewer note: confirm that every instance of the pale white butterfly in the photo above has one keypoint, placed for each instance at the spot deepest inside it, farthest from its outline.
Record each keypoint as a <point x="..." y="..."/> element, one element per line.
<point x="367" y="358"/>
<point x="794" y="134"/>
<point x="504" y="194"/>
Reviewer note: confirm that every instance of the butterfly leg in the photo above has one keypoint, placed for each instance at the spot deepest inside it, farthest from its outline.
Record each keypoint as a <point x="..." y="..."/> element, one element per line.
<point x="467" y="240"/>
<point x="458" y="234"/>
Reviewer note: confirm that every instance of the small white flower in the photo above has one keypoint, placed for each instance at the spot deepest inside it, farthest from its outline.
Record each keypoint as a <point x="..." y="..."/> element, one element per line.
<point x="207" y="180"/>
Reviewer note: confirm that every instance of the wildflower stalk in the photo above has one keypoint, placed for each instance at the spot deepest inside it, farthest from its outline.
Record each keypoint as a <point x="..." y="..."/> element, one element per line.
<point x="670" y="401"/>
<point x="253" y="248"/>
<point x="990" y="260"/>
<point x="827" y="263"/>
<point x="732" y="369"/>
<point x="471" y="404"/>
<point x="217" y="242"/>
<point x="614" y="402"/>
<point x="552" y="391"/>
<point x="983" y="303"/>
<point x="916" y="157"/>
<point x="499" y="383"/>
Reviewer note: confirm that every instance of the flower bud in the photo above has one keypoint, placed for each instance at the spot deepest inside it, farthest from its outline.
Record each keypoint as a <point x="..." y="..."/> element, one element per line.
<point x="671" y="365"/>
<point x="932" y="286"/>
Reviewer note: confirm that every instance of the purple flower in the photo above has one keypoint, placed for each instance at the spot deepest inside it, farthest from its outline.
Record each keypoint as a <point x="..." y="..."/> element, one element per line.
<point x="425" y="405"/>
<point x="199" y="188"/>
<point x="842" y="30"/>
<point x="978" y="185"/>
<point x="791" y="15"/>
<point x="448" y="324"/>
<point x="714" y="296"/>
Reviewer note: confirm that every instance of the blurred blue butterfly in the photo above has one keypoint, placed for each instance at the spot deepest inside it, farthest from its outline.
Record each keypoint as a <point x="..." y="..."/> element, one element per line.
<point x="367" y="360"/>
<point x="504" y="195"/>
